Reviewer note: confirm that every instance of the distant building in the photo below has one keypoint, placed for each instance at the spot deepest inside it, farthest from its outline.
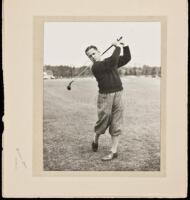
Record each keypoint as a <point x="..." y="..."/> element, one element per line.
<point x="48" y="75"/>
<point x="49" y="72"/>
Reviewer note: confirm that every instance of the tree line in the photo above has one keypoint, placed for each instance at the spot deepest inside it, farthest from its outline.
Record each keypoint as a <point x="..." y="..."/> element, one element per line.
<point x="64" y="71"/>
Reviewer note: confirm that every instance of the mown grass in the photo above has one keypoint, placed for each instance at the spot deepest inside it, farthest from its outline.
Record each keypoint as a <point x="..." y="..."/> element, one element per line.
<point x="69" y="118"/>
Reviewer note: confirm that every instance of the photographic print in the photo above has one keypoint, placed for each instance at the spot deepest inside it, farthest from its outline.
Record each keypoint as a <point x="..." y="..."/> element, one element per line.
<point x="101" y="96"/>
<point x="95" y="99"/>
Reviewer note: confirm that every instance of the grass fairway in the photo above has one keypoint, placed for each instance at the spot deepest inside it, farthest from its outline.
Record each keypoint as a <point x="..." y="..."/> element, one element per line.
<point x="69" y="118"/>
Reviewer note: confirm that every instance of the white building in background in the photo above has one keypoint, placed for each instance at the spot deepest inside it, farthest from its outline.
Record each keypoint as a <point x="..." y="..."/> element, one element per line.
<point x="48" y="76"/>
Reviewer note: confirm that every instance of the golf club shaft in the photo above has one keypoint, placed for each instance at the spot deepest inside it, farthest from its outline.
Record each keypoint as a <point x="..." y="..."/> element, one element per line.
<point x="111" y="46"/>
<point x="83" y="70"/>
<point x="101" y="54"/>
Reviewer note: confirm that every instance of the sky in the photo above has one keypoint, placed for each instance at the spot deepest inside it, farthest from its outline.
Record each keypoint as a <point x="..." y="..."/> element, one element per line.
<point x="65" y="42"/>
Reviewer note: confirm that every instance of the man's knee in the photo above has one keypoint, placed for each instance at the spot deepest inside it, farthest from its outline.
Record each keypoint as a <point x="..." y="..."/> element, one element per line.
<point x="102" y="123"/>
<point x="116" y="129"/>
<point x="116" y="132"/>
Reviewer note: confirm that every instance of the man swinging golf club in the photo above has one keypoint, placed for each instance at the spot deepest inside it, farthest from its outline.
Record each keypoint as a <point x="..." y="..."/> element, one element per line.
<point x="109" y="105"/>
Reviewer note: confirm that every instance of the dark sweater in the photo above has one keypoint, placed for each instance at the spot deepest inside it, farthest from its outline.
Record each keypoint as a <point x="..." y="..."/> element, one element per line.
<point x="106" y="72"/>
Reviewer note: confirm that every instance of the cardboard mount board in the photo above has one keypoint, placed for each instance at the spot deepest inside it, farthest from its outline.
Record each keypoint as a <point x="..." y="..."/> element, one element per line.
<point x="19" y="53"/>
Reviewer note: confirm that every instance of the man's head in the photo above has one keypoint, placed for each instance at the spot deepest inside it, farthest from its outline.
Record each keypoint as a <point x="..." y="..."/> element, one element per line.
<point x="93" y="53"/>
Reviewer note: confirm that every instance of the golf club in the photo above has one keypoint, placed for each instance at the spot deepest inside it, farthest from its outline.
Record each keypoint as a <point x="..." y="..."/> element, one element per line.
<point x="69" y="85"/>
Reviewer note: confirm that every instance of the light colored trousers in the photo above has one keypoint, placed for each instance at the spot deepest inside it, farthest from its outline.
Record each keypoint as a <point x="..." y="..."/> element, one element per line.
<point x="110" y="110"/>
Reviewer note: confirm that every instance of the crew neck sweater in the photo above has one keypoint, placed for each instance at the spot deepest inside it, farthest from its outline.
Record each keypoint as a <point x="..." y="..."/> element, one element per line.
<point x="106" y="71"/>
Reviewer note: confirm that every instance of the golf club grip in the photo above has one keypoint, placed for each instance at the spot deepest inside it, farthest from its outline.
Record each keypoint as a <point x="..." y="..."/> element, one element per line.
<point x="111" y="46"/>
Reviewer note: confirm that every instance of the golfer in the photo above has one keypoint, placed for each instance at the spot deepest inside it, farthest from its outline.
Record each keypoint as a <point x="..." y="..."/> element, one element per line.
<point x="109" y="104"/>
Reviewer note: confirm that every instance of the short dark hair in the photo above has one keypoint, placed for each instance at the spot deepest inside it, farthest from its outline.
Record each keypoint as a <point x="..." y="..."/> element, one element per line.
<point x="91" y="47"/>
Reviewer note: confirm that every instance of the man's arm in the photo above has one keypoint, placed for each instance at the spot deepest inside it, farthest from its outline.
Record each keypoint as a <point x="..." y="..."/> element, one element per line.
<point x="113" y="60"/>
<point x="109" y="62"/>
<point x="123" y="60"/>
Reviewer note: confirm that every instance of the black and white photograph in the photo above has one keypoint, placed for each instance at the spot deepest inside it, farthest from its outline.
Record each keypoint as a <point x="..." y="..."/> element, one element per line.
<point x="95" y="99"/>
<point x="101" y="96"/>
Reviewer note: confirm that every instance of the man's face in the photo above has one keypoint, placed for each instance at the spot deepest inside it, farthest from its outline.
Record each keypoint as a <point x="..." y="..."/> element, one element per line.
<point x="94" y="55"/>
